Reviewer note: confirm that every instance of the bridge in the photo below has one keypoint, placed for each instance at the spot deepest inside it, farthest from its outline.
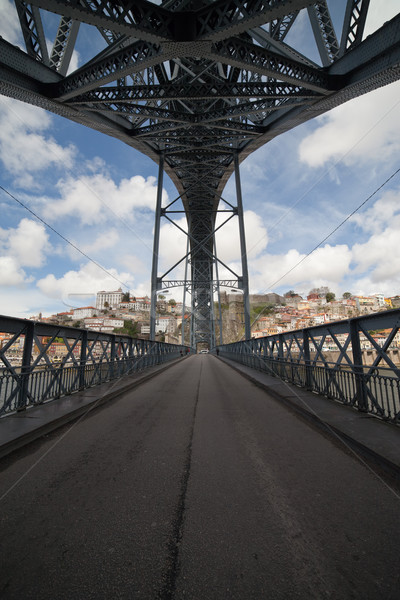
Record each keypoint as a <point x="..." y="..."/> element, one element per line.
<point x="197" y="87"/>
<point x="137" y="469"/>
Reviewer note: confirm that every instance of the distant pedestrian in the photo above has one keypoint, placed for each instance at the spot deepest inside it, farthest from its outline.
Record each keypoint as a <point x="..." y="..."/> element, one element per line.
<point x="181" y="352"/>
<point x="217" y="351"/>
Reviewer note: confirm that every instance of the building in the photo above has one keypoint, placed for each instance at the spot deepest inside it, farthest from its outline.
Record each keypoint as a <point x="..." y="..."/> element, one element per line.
<point x="105" y="299"/>
<point x="85" y="311"/>
<point x="105" y="324"/>
<point x="141" y="304"/>
<point x="395" y="301"/>
<point x="165" y="324"/>
<point x="319" y="318"/>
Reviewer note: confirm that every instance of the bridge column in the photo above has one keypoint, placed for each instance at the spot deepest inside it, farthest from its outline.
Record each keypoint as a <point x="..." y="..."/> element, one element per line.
<point x="219" y="293"/>
<point x="184" y="291"/>
<point x="243" y="251"/>
<point x="156" y="246"/>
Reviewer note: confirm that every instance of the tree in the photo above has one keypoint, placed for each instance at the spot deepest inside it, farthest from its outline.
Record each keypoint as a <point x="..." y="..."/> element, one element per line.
<point x="330" y="296"/>
<point x="130" y="328"/>
<point x="172" y="302"/>
<point x="126" y="297"/>
<point x="346" y="295"/>
<point x="161" y="297"/>
<point x="290" y="294"/>
<point x="106" y="305"/>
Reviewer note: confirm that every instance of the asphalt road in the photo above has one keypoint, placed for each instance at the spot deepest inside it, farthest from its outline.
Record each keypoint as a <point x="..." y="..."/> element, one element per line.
<point x="195" y="486"/>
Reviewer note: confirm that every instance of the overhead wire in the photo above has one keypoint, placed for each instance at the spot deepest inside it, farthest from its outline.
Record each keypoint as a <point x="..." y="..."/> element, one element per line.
<point x="78" y="178"/>
<point x="272" y="285"/>
<point x="62" y="236"/>
<point x="312" y="187"/>
<point x="323" y="175"/>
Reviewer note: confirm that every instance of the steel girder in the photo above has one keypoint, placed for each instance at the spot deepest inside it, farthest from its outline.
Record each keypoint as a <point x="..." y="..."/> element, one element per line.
<point x="198" y="82"/>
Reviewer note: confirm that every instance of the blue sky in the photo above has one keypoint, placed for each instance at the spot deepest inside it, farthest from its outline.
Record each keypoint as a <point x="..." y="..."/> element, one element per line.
<point x="100" y="194"/>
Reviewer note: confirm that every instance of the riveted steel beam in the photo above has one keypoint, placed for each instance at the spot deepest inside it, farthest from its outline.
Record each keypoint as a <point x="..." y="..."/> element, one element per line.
<point x="197" y="85"/>
<point x="140" y="18"/>
<point x="32" y="30"/>
<point x="353" y="24"/>
<point x="324" y="32"/>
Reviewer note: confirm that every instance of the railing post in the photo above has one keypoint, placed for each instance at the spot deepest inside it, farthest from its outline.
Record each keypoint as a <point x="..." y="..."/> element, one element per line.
<point x="307" y="358"/>
<point x="113" y="355"/>
<point x="82" y="362"/>
<point x="26" y="366"/>
<point x="130" y="356"/>
<point x="280" y="355"/>
<point x="358" y="370"/>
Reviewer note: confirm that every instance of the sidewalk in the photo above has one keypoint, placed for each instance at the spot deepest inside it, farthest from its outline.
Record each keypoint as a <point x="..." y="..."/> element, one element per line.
<point x="372" y="437"/>
<point x="18" y="429"/>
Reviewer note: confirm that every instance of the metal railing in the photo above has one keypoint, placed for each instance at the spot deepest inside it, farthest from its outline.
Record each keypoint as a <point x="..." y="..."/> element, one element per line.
<point x="364" y="373"/>
<point x="89" y="358"/>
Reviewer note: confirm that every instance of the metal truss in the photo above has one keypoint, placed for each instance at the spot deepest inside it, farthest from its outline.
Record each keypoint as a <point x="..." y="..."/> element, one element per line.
<point x="29" y="374"/>
<point x="202" y="84"/>
<point x="340" y="360"/>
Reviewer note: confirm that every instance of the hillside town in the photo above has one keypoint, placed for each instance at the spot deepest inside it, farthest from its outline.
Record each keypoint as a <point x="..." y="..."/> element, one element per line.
<point x="271" y="314"/>
<point x="118" y="312"/>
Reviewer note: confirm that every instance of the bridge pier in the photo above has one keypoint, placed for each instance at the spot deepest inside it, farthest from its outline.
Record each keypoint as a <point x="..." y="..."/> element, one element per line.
<point x="156" y="247"/>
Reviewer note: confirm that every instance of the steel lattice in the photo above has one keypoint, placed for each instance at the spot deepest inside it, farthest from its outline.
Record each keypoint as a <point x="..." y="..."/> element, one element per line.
<point x="197" y="82"/>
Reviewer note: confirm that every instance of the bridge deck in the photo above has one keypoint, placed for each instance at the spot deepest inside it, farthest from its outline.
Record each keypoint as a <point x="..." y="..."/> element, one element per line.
<point x="195" y="485"/>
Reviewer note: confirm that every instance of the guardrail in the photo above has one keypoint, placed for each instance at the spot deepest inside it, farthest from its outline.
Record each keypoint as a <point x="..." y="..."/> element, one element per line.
<point x="88" y="358"/>
<point x="364" y="373"/>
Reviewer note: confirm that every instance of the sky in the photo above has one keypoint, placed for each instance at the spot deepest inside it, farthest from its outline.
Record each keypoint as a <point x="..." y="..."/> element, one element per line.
<point x="100" y="195"/>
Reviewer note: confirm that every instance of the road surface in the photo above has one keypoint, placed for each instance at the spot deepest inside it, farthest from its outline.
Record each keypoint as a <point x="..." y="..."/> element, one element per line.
<point x="197" y="486"/>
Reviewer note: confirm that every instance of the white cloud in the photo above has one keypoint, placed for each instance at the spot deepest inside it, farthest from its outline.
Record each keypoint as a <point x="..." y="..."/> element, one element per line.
<point x="173" y="242"/>
<point x="87" y="281"/>
<point x="379" y="12"/>
<point x="326" y="266"/>
<point x="94" y="198"/>
<point x="22" y="301"/>
<point x="228" y="241"/>
<point x="384" y="212"/>
<point x="378" y="257"/>
<point x="9" y="24"/>
<point x="363" y="131"/>
<point x="381" y="253"/>
<point x="28" y="243"/>
<point x="10" y="272"/>
<point x="173" y="247"/>
<point x="104" y="241"/>
<point x="23" y="246"/>
<point x="24" y="147"/>
<point x="133" y="262"/>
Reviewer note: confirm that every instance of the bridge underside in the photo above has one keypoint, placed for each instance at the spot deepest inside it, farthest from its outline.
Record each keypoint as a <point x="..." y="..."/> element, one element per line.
<point x="198" y="86"/>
